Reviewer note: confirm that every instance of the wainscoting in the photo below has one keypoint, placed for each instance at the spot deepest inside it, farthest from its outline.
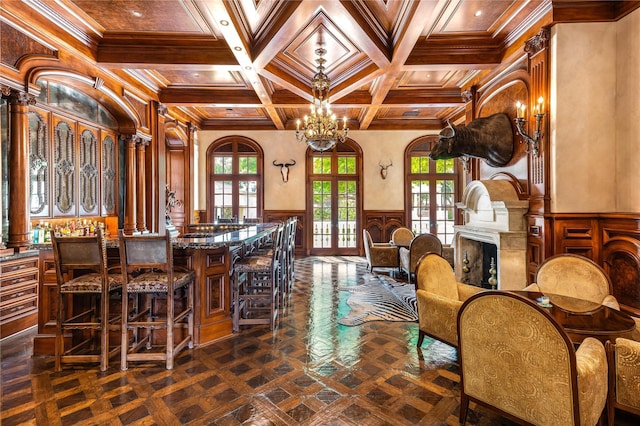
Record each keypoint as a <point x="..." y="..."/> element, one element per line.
<point x="611" y="240"/>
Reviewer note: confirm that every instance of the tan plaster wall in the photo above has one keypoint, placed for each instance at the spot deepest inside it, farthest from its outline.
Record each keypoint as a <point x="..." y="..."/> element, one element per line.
<point x="583" y="105"/>
<point x="595" y="127"/>
<point x="379" y="194"/>
<point x="628" y="114"/>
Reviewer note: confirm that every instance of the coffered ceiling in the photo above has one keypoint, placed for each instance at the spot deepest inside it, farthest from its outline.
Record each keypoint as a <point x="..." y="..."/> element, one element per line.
<point x="236" y="64"/>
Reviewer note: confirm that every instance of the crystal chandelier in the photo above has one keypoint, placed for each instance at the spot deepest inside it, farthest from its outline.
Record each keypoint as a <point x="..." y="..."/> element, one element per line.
<point x="320" y="129"/>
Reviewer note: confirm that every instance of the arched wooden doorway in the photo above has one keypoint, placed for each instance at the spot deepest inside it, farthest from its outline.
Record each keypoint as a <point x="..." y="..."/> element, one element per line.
<point x="334" y="201"/>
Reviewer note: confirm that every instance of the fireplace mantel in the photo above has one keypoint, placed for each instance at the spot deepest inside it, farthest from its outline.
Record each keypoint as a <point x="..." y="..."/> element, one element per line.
<point x="493" y="214"/>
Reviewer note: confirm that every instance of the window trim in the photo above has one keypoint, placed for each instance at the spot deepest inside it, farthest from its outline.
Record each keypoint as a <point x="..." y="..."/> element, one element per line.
<point x="419" y="146"/>
<point x="235" y="176"/>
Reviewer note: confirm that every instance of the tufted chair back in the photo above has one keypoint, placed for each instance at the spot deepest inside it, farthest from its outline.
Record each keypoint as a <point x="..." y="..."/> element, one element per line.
<point x="516" y="358"/>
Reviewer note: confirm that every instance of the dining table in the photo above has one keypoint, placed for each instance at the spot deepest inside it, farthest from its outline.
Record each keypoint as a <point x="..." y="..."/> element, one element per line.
<point x="582" y="318"/>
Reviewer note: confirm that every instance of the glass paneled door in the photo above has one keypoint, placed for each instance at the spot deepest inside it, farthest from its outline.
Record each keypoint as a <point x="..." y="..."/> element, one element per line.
<point x="334" y="205"/>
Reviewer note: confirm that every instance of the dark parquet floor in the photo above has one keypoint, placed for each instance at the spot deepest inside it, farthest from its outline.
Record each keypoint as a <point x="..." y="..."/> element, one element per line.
<point x="309" y="371"/>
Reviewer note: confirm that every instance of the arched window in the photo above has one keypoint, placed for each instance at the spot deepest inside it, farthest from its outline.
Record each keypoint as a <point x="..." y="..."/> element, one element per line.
<point x="235" y="184"/>
<point x="431" y="190"/>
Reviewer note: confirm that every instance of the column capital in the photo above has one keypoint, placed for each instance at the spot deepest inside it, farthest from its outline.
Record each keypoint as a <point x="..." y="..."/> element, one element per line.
<point x="538" y="42"/>
<point x="15" y="96"/>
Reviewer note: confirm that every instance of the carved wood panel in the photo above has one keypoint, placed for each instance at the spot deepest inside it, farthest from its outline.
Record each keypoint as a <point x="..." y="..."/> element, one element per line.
<point x="381" y="224"/>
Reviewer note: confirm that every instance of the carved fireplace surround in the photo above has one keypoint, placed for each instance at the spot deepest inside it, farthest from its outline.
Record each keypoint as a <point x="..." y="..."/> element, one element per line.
<point x="494" y="222"/>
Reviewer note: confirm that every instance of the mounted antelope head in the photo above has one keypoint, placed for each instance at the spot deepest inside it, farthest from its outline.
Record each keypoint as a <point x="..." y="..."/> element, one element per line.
<point x="284" y="169"/>
<point x="383" y="168"/>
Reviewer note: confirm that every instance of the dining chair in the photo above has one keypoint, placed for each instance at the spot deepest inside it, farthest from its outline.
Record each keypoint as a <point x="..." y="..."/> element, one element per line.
<point x="516" y="359"/>
<point x="156" y="295"/>
<point x="623" y="356"/>
<point x="227" y="219"/>
<point x="81" y="272"/>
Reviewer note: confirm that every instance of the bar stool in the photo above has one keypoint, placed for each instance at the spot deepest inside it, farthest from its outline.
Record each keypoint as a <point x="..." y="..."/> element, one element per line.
<point x="291" y="253"/>
<point x="84" y="288"/>
<point x="256" y="284"/>
<point x="149" y="277"/>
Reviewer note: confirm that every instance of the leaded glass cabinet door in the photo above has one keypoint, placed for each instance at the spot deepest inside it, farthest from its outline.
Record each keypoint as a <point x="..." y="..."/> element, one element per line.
<point x="39" y="203"/>
<point x="89" y="175"/>
<point x="334" y="205"/>
<point x="64" y="163"/>
<point x="109" y="174"/>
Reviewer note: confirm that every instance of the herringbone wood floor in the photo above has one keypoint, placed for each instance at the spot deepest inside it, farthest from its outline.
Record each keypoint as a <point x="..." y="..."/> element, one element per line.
<point x="309" y="371"/>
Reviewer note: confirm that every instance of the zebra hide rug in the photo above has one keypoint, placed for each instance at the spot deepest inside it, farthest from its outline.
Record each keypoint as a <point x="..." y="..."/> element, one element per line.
<point x="380" y="298"/>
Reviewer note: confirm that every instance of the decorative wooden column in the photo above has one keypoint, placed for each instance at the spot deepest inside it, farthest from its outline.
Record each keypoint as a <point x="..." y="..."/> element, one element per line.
<point x="140" y="185"/>
<point x="539" y="226"/>
<point x="130" y="185"/>
<point x="19" y="102"/>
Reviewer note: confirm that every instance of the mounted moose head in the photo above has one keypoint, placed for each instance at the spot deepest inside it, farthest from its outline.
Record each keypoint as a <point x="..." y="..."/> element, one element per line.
<point x="284" y="169"/>
<point x="490" y="138"/>
<point x="383" y="168"/>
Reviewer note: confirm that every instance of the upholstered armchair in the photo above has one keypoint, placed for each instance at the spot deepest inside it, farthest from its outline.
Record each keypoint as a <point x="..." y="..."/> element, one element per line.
<point x="439" y="298"/>
<point x="421" y="244"/>
<point x="624" y="377"/>
<point x="379" y="254"/>
<point x="401" y="237"/>
<point x="575" y="276"/>
<point x="515" y="358"/>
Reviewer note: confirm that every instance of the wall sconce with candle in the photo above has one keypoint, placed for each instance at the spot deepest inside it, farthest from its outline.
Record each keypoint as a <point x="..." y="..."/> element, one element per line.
<point x="533" y="143"/>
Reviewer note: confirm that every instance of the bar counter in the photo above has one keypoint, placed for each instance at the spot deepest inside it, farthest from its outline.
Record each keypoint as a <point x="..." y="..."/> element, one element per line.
<point x="210" y="254"/>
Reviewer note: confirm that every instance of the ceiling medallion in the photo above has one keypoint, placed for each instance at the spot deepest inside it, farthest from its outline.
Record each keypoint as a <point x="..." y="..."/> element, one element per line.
<point x="320" y="129"/>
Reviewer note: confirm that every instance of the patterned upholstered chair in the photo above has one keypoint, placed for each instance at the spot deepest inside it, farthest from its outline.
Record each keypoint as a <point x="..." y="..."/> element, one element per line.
<point x="149" y="276"/>
<point x="439" y="298"/>
<point x="379" y="255"/>
<point x="515" y="358"/>
<point x="401" y="237"/>
<point x="421" y="244"/>
<point x="624" y="377"/>
<point x="575" y="276"/>
<point x="81" y="271"/>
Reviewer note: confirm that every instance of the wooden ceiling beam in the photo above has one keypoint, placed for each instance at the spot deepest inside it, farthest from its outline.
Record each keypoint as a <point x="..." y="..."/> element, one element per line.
<point x="565" y="11"/>
<point x="475" y="51"/>
<point x="145" y="50"/>
<point x="199" y="95"/>
<point x="407" y="38"/>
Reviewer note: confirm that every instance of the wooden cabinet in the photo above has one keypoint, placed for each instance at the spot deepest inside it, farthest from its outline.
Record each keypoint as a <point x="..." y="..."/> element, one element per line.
<point x="18" y="294"/>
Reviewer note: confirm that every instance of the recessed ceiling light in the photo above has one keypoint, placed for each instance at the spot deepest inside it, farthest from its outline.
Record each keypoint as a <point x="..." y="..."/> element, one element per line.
<point x="478" y="13"/>
<point x="136" y="13"/>
<point x="237" y="48"/>
<point x="195" y="74"/>
<point x="248" y="68"/>
<point x="224" y="22"/>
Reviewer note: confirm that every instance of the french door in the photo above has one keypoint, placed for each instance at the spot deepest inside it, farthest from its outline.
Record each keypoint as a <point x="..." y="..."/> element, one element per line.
<point x="334" y="201"/>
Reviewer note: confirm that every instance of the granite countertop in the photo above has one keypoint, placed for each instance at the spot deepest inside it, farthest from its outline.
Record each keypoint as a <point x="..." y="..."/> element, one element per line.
<point x="14" y="256"/>
<point x="228" y="238"/>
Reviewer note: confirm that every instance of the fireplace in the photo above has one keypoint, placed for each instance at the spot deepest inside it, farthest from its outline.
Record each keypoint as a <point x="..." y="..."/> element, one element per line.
<point x="494" y="227"/>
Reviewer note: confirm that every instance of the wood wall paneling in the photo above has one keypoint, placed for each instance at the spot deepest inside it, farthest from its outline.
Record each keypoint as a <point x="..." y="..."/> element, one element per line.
<point x="381" y="224"/>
